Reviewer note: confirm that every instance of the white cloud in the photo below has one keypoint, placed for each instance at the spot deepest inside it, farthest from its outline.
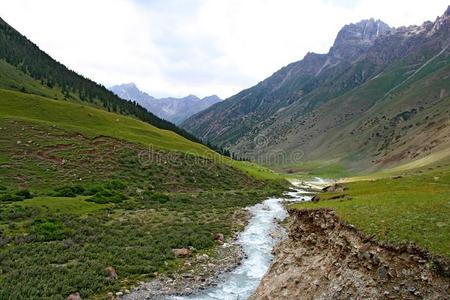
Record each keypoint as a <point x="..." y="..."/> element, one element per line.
<point x="203" y="47"/>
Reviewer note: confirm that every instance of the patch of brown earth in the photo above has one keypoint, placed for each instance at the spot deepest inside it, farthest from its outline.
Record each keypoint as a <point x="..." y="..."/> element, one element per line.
<point x="323" y="258"/>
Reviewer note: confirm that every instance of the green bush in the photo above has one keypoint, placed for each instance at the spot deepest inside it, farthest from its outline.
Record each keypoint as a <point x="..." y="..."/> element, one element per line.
<point x="155" y="197"/>
<point x="92" y="190"/>
<point x="26" y="194"/>
<point x="106" y="196"/>
<point x="69" y="191"/>
<point x="17" y="196"/>
<point x="115" y="185"/>
<point x="48" y="229"/>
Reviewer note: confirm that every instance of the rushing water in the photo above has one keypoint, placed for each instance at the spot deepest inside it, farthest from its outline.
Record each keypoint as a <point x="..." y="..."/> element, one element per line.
<point x="257" y="241"/>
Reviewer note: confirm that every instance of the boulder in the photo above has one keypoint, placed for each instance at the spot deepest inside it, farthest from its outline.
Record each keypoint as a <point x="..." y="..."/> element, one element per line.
<point x="111" y="272"/>
<point x="335" y="188"/>
<point x="219" y="238"/>
<point x="316" y="198"/>
<point x="182" y="252"/>
<point x="74" y="296"/>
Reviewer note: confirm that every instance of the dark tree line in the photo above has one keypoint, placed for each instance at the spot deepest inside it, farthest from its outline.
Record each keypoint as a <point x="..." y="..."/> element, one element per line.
<point x="18" y="51"/>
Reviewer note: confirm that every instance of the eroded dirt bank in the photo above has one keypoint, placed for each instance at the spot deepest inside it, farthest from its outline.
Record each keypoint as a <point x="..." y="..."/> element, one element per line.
<point x="324" y="258"/>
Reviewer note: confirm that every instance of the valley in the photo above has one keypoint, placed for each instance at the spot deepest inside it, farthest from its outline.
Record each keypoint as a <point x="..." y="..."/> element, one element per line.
<point x="330" y="179"/>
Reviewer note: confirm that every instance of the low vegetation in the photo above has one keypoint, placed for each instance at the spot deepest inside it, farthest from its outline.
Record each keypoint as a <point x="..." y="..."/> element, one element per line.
<point x="73" y="204"/>
<point x="398" y="209"/>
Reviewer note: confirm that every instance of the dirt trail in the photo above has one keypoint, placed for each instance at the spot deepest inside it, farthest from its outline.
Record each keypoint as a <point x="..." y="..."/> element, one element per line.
<point x="323" y="258"/>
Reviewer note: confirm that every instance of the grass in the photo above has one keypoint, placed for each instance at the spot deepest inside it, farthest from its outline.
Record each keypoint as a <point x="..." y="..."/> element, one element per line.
<point x="62" y="239"/>
<point x="51" y="253"/>
<point x="13" y="79"/>
<point x="415" y="208"/>
<point x="319" y="168"/>
<point x="64" y="205"/>
<point x="107" y="190"/>
<point x="93" y="122"/>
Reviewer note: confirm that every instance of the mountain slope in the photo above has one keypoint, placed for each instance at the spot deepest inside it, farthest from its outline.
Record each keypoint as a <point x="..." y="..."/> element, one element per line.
<point x="374" y="100"/>
<point x="90" y="182"/>
<point x="175" y="110"/>
<point x="25" y="60"/>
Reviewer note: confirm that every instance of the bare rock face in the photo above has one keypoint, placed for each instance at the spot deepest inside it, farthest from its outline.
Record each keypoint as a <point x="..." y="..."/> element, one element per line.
<point x="112" y="274"/>
<point x="182" y="252"/>
<point x="74" y="296"/>
<point x="326" y="259"/>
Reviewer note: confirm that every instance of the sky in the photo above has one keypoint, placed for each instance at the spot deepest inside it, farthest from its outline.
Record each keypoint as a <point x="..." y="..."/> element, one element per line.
<point x="200" y="47"/>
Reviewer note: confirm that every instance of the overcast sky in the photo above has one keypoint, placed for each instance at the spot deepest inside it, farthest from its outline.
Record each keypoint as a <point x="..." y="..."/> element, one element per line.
<point x="202" y="47"/>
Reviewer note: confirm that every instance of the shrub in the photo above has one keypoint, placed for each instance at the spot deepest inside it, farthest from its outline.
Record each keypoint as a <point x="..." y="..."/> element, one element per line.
<point x="69" y="191"/>
<point x="156" y="197"/>
<point x="17" y="196"/>
<point x="26" y="194"/>
<point x="48" y="229"/>
<point x="115" y="185"/>
<point x="92" y="190"/>
<point x="106" y="196"/>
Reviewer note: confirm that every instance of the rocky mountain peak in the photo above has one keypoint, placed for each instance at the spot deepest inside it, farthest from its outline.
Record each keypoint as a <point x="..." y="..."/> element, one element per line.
<point x="363" y="32"/>
<point x="442" y="23"/>
<point x="353" y="38"/>
<point x="447" y="12"/>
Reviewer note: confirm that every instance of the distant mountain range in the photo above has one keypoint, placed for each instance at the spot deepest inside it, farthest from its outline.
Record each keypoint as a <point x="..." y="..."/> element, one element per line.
<point x="379" y="97"/>
<point x="175" y="110"/>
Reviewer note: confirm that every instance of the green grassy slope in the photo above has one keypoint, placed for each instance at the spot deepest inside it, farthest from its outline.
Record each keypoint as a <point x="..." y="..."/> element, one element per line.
<point x="13" y="79"/>
<point x="29" y="63"/>
<point x="413" y="207"/>
<point x="92" y="122"/>
<point x="82" y="189"/>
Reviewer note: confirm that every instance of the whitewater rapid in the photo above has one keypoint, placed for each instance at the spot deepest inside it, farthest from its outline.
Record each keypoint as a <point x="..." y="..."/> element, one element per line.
<point x="257" y="241"/>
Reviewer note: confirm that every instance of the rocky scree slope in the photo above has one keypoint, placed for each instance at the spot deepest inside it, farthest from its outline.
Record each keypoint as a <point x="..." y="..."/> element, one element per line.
<point x="380" y="96"/>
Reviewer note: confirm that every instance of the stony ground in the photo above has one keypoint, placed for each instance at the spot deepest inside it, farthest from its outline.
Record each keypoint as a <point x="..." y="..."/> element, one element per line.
<point x="326" y="259"/>
<point x="198" y="272"/>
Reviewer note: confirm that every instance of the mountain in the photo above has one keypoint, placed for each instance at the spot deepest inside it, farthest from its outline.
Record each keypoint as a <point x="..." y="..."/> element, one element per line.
<point x="175" y="110"/>
<point x="379" y="97"/>
<point x="90" y="182"/>
<point x="28" y="69"/>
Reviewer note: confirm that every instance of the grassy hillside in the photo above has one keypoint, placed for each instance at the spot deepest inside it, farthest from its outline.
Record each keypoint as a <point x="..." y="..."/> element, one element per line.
<point x="23" y="60"/>
<point x="92" y="122"/>
<point x="82" y="189"/>
<point x="398" y="209"/>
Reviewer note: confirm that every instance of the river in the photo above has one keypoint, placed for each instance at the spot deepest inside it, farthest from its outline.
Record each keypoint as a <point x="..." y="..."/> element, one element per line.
<point x="257" y="240"/>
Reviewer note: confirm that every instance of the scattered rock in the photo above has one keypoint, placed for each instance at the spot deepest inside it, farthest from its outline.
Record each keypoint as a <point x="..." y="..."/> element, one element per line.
<point x="74" y="296"/>
<point x="335" y="188"/>
<point x="119" y="294"/>
<point x="110" y="296"/>
<point x="218" y="237"/>
<point x="182" y="252"/>
<point x="316" y="198"/>
<point x="382" y="272"/>
<point x="111" y="272"/>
